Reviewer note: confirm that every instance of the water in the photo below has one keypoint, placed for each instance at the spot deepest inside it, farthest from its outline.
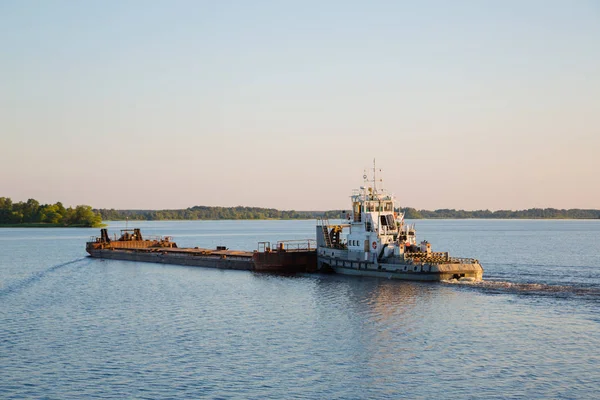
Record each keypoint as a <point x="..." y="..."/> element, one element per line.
<point x="75" y="327"/>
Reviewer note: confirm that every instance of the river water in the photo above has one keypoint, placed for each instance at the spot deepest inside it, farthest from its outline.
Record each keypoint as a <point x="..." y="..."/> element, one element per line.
<point x="73" y="327"/>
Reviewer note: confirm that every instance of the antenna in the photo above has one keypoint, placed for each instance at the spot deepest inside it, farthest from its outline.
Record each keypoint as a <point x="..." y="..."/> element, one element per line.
<point x="374" y="178"/>
<point x="126" y="222"/>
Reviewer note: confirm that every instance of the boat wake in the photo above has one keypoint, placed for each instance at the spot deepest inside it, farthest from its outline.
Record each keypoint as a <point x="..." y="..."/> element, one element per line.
<point x="37" y="276"/>
<point x="529" y="288"/>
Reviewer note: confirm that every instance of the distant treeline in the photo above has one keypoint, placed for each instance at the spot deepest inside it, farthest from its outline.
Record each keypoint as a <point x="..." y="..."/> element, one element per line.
<point x="532" y="213"/>
<point x="217" y="213"/>
<point x="32" y="213"/>
<point x="213" y="213"/>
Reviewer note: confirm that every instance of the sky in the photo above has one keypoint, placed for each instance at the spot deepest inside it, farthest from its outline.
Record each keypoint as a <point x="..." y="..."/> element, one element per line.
<point x="283" y="104"/>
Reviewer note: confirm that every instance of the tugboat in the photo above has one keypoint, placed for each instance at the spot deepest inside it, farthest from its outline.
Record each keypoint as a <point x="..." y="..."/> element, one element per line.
<point x="377" y="242"/>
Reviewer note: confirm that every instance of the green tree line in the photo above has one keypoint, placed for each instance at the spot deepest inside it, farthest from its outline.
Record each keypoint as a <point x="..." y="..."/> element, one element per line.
<point x="217" y="213"/>
<point x="214" y="213"/>
<point x="32" y="212"/>
<point x="532" y="213"/>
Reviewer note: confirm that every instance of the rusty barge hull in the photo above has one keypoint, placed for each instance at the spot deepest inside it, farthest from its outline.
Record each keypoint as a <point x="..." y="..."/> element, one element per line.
<point x="286" y="261"/>
<point x="188" y="258"/>
<point x="288" y="257"/>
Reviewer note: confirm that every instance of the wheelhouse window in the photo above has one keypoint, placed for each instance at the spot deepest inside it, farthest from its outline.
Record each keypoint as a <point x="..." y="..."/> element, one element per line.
<point x="387" y="220"/>
<point x="390" y="220"/>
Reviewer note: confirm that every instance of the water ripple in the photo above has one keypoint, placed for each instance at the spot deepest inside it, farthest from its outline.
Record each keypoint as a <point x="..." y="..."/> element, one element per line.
<point x="529" y="288"/>
<point x="37" y="276"/>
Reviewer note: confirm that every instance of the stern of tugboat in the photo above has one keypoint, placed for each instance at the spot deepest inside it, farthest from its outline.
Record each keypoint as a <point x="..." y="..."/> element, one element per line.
<point x="471" y="272"/>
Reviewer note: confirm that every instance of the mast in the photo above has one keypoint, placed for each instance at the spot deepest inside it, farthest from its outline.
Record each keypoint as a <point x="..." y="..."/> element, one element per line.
<point x="378" y="203"/>
<point x="365" y="189"/>
<point x="374" y="178"/>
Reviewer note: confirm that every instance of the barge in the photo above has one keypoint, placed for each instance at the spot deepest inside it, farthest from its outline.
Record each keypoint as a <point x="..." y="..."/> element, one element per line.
<point x="286" y="257"/>
<point x="376" y="241"/>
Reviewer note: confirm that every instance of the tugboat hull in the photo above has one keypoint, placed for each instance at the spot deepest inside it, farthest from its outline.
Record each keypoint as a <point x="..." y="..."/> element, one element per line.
<point x="411" y="272"/>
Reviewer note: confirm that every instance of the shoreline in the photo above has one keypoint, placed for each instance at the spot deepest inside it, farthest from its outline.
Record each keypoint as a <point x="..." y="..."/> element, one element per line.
<point x="44" y="225"/>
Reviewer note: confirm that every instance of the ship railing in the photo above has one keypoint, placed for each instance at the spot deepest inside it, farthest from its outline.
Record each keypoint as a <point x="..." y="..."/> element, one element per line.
<point x="322" y="221"/>
<point x="149" y="238"/>
<point x="158" y="238"/>
<point x="98" y="239"/>
<point x="343" y="222"/>
<point x="297" y="245"/>
<point x="288" y="245"/>
<point x="264" y="247"/>
<point x="438" y="258"/>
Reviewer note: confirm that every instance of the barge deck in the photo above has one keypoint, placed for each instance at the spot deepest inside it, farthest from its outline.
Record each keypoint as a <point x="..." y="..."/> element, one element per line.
<point x="286" y="257"/>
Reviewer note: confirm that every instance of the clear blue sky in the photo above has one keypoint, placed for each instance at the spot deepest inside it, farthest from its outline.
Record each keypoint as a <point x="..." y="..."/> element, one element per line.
<point x="170" y="104"/>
